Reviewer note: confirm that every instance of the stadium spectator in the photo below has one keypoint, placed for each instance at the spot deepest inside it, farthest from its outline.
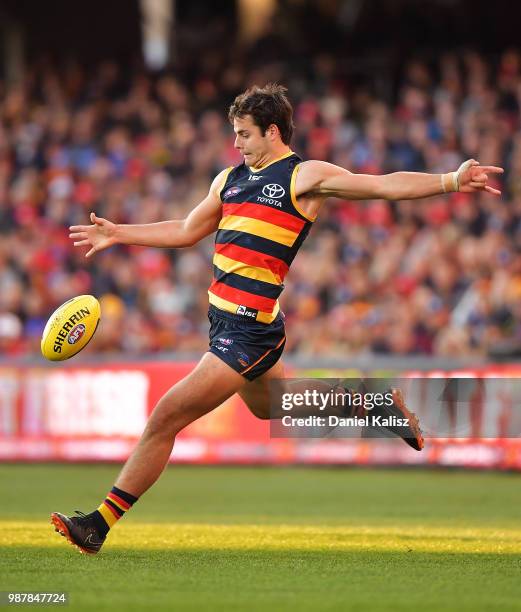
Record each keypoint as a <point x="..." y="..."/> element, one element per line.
<point x="438" y="277"/>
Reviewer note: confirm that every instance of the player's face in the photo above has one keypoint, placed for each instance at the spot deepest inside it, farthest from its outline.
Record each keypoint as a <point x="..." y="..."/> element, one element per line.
<point x="250" y="141"/>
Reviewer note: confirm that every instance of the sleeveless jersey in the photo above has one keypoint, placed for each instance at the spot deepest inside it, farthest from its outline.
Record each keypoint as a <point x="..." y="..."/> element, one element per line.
<point x="259" y="235"/>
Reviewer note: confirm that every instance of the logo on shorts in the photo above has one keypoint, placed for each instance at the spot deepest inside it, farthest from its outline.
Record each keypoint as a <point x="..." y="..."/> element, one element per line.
<point x="76" y="333"/>
<point x="244" y="360"/>
<point x="245" y="312"/>
<point x="273" y="190"/>
<point x="226" y="341"/>
<point x="223" y="349"/>
<point x="231" y="192"/>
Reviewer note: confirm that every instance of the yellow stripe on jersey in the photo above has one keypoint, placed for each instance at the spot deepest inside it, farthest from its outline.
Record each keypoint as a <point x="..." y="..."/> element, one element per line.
<point x="259" y="228"/>
<point x="293" y="193"/>
<point x="236" y="267"/>
<point x="226" y="172"/>
<point x="262" y="317"/>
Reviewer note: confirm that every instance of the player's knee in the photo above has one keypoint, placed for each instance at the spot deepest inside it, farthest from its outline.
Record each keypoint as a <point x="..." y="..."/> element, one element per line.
<point x="165" y="421"/>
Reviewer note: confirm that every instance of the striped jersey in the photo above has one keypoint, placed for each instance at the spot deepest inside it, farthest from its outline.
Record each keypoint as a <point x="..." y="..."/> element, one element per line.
<point x="261" y="231"/>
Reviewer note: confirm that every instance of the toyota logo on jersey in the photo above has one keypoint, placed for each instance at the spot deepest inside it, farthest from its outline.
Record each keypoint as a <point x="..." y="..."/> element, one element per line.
<point x="273" y="190"/>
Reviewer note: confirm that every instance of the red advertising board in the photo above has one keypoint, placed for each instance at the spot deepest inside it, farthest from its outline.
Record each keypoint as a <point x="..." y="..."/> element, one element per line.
<point x="97" y="413"/>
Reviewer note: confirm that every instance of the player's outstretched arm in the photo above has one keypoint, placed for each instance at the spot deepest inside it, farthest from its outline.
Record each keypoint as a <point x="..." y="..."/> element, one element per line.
<point x="202" y="221"/>
<point x="323" y="179"/>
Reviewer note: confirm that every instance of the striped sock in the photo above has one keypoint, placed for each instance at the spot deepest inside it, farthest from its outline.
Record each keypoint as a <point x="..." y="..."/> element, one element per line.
<point x="112" y="509"/>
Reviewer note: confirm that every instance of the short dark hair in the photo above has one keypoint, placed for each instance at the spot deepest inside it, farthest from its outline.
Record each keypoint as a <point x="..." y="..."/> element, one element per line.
<point x="267" y="105"/>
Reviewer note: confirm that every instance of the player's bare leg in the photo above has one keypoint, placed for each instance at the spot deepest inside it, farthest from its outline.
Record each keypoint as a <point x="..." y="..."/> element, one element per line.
<point x="206" y="387"/>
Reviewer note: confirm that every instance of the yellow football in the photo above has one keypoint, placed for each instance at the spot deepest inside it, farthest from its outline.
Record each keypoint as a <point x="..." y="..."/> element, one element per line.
<point x="70" y="328"/>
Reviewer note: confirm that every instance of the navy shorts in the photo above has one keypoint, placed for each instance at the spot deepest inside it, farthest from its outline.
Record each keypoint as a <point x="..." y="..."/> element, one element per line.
<point x="249" y="347"/>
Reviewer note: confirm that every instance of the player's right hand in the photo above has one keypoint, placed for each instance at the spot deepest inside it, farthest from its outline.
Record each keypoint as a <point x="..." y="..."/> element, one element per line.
<point x="100" y="235"/>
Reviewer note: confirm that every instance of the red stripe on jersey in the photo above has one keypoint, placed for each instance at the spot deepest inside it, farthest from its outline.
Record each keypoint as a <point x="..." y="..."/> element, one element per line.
<point x="253" y="258"/>
<point x="265" y="213"/>
<point x="242" y="298"/>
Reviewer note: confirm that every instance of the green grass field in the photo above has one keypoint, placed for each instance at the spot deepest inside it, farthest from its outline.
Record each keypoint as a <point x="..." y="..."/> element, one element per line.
<point x="272" y="539"/>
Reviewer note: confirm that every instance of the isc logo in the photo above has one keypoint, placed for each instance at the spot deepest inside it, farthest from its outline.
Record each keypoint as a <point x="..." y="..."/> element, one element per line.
<point x="242" y="310"/>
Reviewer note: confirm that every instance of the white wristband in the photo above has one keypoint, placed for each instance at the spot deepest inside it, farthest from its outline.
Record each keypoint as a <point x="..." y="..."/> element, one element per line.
<point x="455" y="180"/>
<point x="449" y="182"/>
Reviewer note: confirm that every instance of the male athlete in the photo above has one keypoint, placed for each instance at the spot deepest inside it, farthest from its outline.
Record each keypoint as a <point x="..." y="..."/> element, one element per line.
<point x="262" y="211"/>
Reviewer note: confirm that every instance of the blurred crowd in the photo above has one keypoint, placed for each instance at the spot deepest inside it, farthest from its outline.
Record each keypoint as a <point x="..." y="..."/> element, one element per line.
<point x="440" y="276"/>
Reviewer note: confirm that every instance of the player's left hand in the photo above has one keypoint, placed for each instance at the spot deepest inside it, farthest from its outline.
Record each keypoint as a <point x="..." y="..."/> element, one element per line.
<point x="471" y="177"/>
